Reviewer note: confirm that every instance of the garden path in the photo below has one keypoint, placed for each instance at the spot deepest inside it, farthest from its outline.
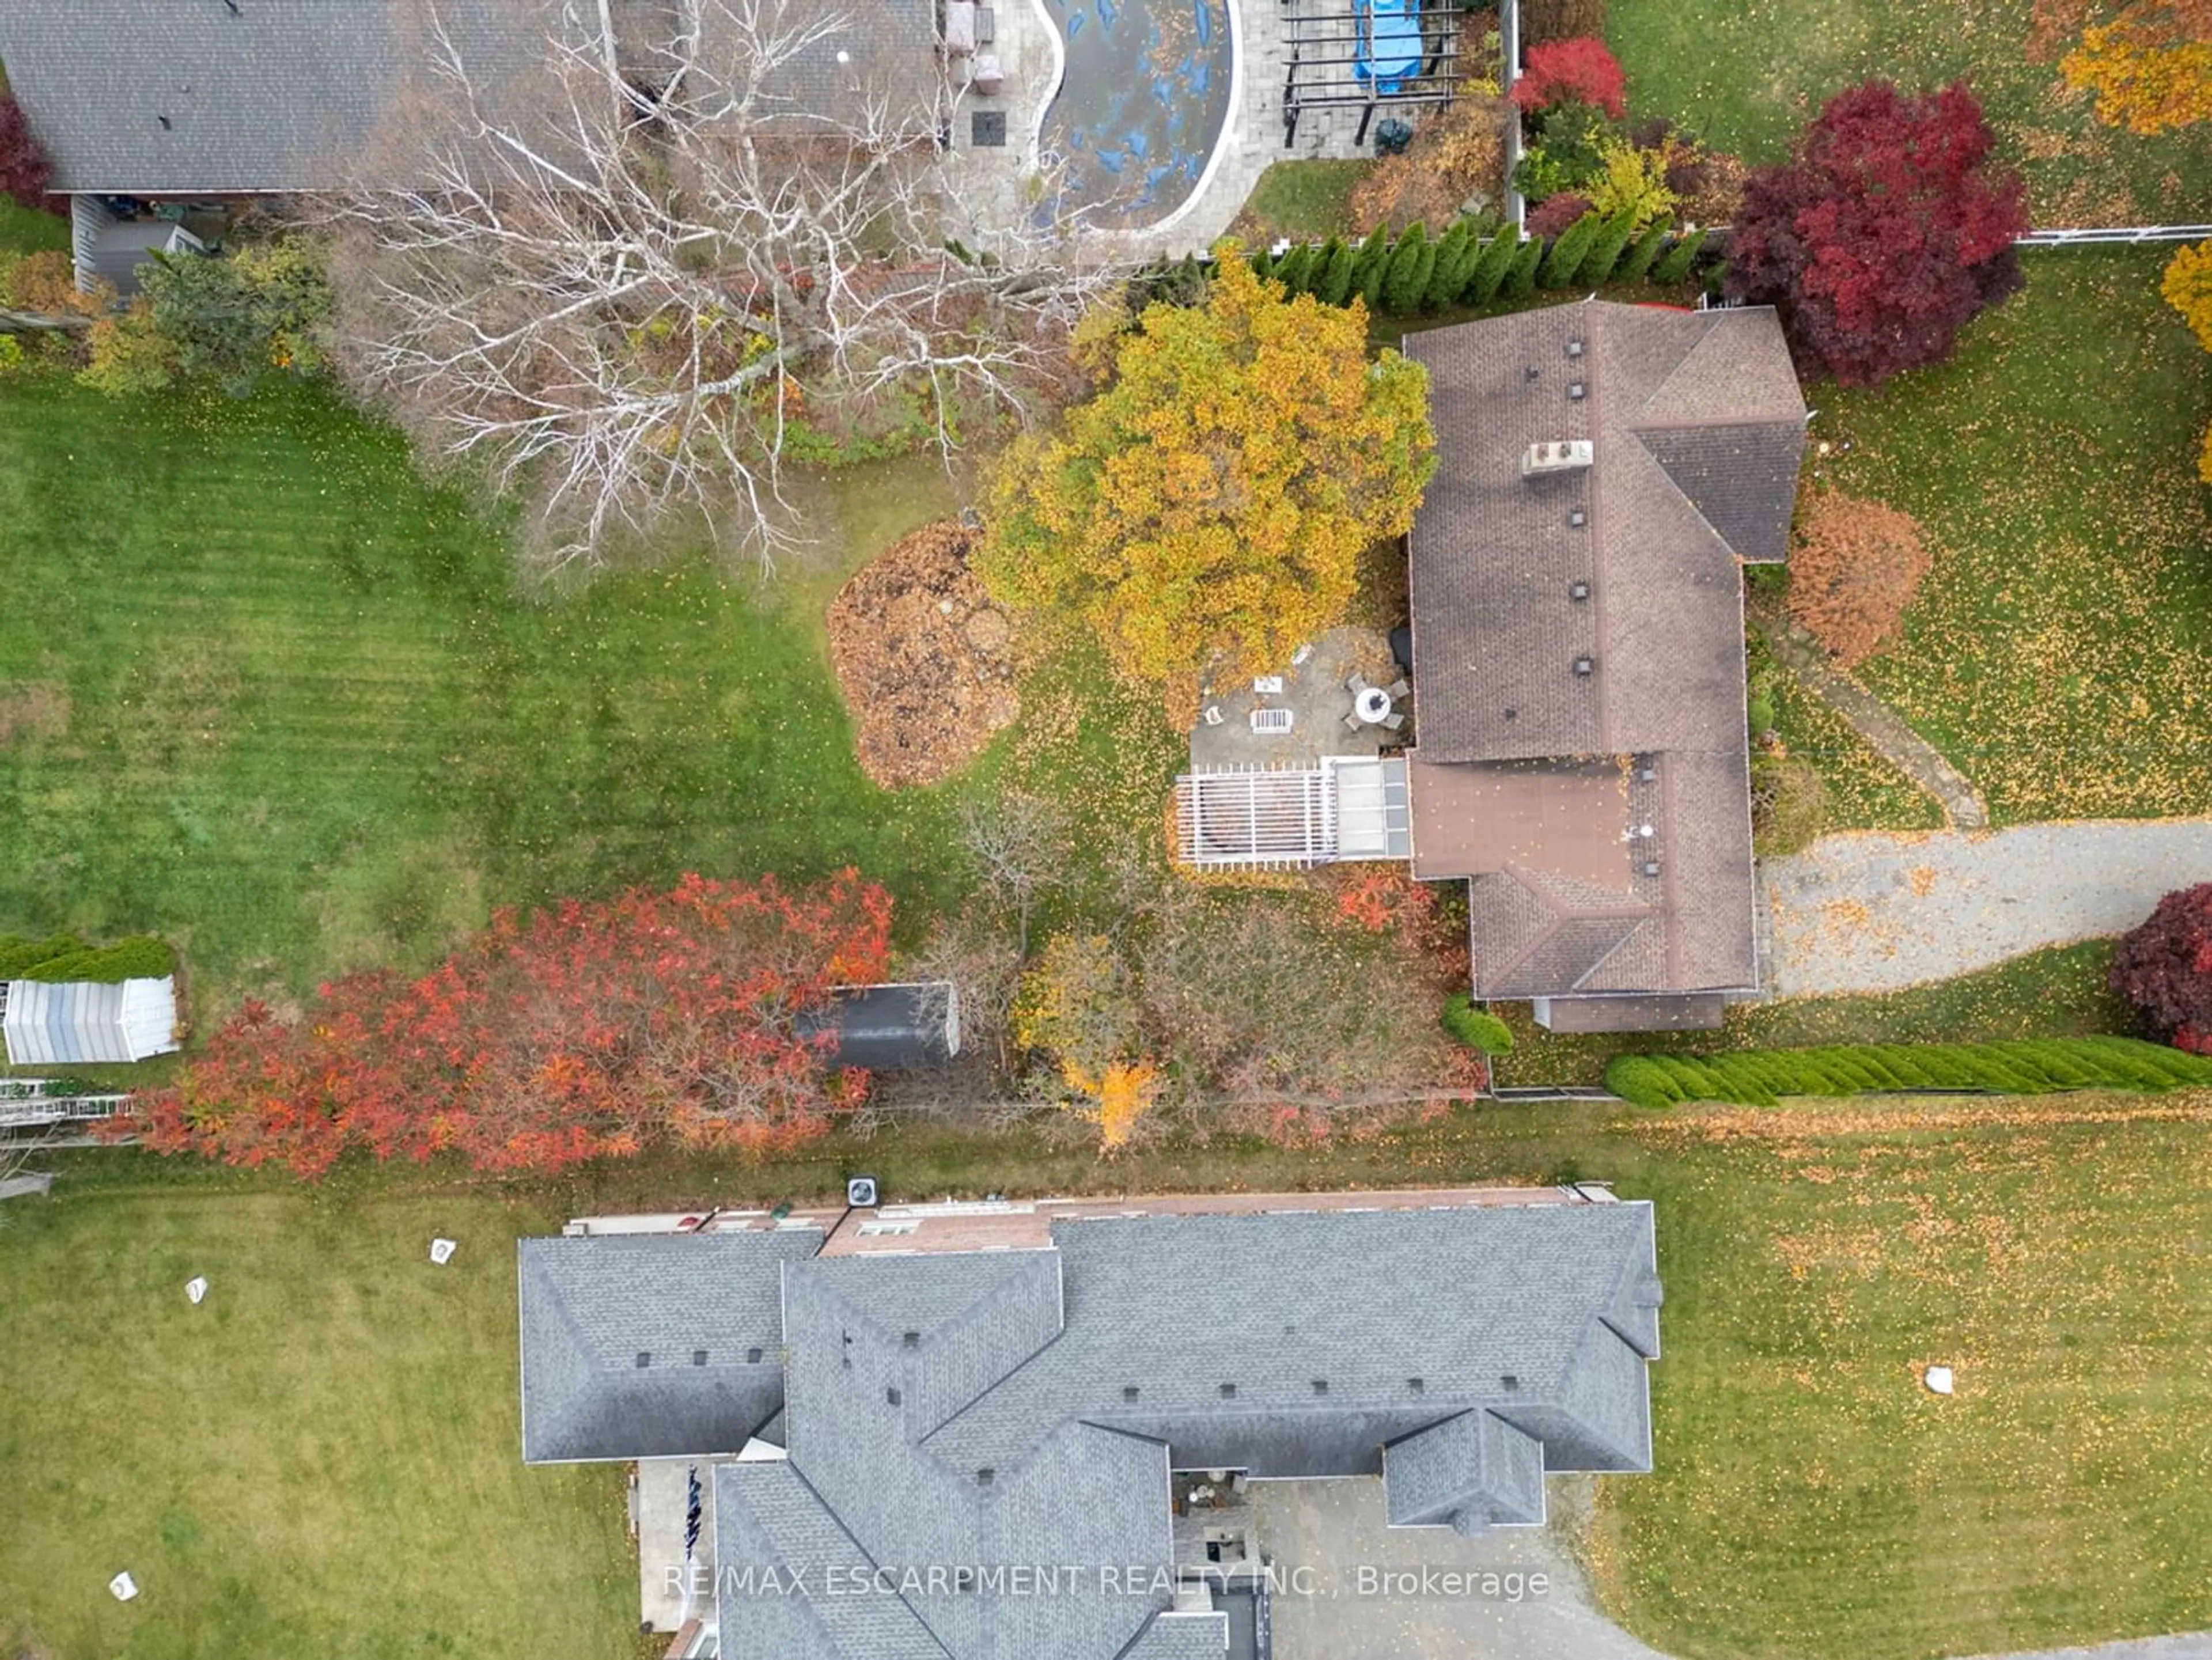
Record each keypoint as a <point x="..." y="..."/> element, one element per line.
<point x="1876" y="722"/>
<point x="1873" y="912"/>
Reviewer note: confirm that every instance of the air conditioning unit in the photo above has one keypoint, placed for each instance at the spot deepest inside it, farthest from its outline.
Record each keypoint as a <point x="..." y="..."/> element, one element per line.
<point x="860" y="1192"/>
<point x="1562" y="455"/>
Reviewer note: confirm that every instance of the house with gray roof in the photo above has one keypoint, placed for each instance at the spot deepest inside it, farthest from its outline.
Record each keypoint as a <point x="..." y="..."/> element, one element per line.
<point x="191" y="99"/>
<point x="1604" y="473"/>
<point x="960" y="1443"/>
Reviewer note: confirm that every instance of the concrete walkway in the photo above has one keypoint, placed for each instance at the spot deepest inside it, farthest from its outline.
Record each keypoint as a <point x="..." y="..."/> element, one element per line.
<point x="1871" y="913"/>
<point x="1882" y="728"/>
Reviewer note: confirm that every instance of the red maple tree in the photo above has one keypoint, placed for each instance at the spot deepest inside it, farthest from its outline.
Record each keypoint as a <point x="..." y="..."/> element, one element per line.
<point x="25" y="171"/>
<point x="589" y="1029"/>
<point x="1886" y="231"/>
<point x="2164" y="967"/>
<point x="1577" y="71"/>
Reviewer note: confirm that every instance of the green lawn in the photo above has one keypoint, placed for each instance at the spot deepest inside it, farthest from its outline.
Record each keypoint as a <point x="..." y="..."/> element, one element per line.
<point x="1299" y="199"/>
<point x="270" y="696"/>
<point x="1811" y="1502"/>
<point x="1863" y="790"/>
<point x="1748" y="76"/>
<point x="2060" y="652"/>
<point x="2058" y="993"/>
<point x="323" y="1456"/>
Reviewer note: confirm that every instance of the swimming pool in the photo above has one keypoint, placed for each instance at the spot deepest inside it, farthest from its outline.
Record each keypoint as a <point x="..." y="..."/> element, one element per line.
<point x="1142" y="102"/>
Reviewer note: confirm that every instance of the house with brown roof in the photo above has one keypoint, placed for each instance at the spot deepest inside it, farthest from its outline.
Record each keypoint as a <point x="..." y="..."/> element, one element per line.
<point x="1579" y="756"/>
<point x="1604" y="473"/>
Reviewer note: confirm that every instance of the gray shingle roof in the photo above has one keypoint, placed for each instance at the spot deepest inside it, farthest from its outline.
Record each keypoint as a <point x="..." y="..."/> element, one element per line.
<point x="973" y="1410"/>
<point x="591" y="1306"/>
<point x="1350" y="1300"/>
<point x="288" y="95"/>
<point x="280" y="95"/>
<point x="1697" y="427"/>
<point x="1471" y="1472"/>
<point x="1180" y="1637"/>
<point x="769" y="1520"/>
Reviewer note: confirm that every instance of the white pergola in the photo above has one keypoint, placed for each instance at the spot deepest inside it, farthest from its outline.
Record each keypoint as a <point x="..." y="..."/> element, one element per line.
<point x="1347" y="807"/>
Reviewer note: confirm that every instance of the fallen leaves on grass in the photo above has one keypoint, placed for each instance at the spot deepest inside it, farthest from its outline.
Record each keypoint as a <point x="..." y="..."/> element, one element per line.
<point x="925" y="661"/>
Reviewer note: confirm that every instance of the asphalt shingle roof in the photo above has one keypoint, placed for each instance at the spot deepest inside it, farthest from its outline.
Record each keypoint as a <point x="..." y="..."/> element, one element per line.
<point x="1001" y="1410"/>
<point x="591" y="1306"/>
<point x="205" y="97"/>
<point x="1629" y="568"/>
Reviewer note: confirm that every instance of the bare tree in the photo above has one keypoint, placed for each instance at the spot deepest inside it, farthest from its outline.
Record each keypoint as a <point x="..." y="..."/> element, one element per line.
<point x="634" y="288"/>
<point x="1019" y="840"/>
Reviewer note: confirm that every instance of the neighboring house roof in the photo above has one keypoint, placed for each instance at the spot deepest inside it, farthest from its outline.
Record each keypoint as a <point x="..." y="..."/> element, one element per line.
<point x="1579" y="641"/>
<point x="79" y="1022"/>
<point x="1003" y="1409"/>
<point x="197" y="96"/>
<point x="643" y="1346"/>
<point x="149" y="97"/>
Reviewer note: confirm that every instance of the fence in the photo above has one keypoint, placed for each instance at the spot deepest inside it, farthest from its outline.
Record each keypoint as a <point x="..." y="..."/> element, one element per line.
<point x="2125" y="233"/>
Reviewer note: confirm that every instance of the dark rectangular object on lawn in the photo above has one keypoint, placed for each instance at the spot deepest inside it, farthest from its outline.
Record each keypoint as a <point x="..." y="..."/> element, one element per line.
<point x="891" y="1028"/>
<point x="987" y="129"/>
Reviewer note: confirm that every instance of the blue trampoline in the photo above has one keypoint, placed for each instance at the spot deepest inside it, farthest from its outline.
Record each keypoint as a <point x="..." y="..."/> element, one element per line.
<point x="1390" y="52"/>
<point x="1141" y="106"/>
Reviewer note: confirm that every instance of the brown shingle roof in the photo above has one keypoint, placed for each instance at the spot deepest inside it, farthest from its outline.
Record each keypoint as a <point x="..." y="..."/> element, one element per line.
<point x="1697" y="427"/>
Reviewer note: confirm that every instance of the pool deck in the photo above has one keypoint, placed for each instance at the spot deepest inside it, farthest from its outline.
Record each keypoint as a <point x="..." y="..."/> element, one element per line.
<point x="992" y="192"/>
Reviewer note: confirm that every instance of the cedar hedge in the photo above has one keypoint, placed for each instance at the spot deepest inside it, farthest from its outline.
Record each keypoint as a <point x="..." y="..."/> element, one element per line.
<point x="1399" y="277"/>
<point x="1759" y="1077"/>
<point x="62" y="959"/>
<point x="1477" y="1028"/>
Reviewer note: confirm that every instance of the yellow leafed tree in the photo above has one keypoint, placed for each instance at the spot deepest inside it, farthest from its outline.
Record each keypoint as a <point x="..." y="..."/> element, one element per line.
<point x="1207" y="509"/>
<point x="2150" y="66"/>
<point x="2188" y="288"/>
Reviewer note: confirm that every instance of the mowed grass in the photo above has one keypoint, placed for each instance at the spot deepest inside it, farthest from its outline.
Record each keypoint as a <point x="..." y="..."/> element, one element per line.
<point x="267" y="695"/>
<point x="1811" y="1499"/>
<point x="2060" y="651"/>
<point x="322" y="1458"/>
<point x="1748" y="76"/>
<point x="2059" y="993"/>
<point x="1301" y="200"/>
<point x="1863" y="789"/>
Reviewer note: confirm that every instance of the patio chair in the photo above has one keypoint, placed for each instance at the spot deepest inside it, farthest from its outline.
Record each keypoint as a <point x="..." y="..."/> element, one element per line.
<point x="1353" y="723"/>
<point x="1399" y="688"/>
<point x="1213" y="716"/>
<point x="1396" y="721"/>
<point x="1356" y="685"/>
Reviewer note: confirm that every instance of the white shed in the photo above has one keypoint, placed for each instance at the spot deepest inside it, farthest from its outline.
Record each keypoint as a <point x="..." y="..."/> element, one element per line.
<point x="80" y="1023"/>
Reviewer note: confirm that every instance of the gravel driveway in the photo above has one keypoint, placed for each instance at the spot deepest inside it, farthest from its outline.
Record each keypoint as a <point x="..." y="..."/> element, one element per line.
<point x="1867" y="913"/>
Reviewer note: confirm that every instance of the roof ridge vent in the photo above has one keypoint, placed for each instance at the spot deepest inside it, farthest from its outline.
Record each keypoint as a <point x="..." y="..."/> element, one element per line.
<point x="1560" y="455"/>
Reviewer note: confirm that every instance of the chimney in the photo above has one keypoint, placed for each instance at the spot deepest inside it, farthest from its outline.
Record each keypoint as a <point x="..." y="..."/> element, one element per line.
<point x="1566" y="455"/>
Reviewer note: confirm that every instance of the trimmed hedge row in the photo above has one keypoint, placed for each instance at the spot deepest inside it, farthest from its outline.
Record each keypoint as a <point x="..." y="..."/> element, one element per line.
<point x="1758" y="1078"/>
<point x="1477" y="1029"/>
<point x="1412" y="273"/>
<point x="62" y="959"/>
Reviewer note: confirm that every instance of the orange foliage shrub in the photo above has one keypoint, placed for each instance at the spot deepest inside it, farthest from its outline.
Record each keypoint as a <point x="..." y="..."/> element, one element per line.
<point x="1854" y="565"/>
<point x="1456" y="154"/>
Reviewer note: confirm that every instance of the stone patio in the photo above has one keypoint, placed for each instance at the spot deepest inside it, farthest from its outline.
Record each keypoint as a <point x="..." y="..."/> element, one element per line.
<point x="1314" y="695"/>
